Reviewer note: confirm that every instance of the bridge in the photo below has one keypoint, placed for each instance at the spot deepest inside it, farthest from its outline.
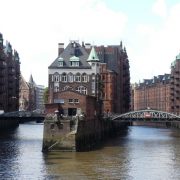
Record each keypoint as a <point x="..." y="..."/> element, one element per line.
<point x="146" y="115"/>
<point x="23" y="116"/>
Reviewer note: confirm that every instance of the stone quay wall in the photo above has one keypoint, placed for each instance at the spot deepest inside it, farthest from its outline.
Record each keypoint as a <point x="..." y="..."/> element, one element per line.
<point x="78" y="134"/>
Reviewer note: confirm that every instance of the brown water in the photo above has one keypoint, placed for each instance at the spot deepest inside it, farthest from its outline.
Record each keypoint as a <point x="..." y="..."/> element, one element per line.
<point x="143" y="153"/>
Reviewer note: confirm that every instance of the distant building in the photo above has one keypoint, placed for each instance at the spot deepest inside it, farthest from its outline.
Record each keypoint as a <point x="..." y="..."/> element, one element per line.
<point x="31" y="95"/>
<point x="9" y="77"/>
<point x="40" y="97"/>
<point x="175" y="85"/>
<point x="100" y="72"/>
<point x="153" y="93"/>
<point x="24" y="92"/>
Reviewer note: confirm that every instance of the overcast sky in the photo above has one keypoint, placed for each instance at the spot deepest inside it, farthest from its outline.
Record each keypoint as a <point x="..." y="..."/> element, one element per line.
<point x="149" y="29"/>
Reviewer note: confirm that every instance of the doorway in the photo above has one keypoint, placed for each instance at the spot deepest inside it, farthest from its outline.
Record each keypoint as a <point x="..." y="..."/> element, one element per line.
<point x="72" y="111"/>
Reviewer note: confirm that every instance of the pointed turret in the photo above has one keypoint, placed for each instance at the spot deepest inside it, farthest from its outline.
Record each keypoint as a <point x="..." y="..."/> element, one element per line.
<point x="93" y="56"/>
<point x="93" y="60"/>
<point x="31" y="81"/>
<point x="121" y="45"/>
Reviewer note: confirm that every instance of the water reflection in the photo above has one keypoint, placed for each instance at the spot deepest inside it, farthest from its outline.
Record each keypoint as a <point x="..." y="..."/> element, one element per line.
<point x="141" y="153"/>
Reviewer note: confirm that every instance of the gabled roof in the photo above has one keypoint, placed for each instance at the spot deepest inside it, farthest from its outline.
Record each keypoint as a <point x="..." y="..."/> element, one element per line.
<point x="93" y="55"/>
<point x="73" y="51"/>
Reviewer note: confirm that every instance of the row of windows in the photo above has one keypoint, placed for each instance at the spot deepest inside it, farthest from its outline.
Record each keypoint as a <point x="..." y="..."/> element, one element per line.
<point x="73" y="100"/>
<point x="70" y="78"/>
<point x="74" y="64"/>
<point x="80" y="89"/>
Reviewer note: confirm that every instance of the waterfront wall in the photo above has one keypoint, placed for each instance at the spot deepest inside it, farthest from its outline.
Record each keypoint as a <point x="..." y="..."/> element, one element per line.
<point x="78" y="134"/>
<point x="7" y="123"/>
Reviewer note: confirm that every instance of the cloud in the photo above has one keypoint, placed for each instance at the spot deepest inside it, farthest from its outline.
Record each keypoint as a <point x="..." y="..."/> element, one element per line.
<point x="158" y="47"/>
<point x="159" y="8"/>
<point x="35" y="28"/>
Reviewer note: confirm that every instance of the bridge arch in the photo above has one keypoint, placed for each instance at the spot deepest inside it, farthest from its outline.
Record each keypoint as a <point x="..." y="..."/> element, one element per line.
<point x="145" y="114"/>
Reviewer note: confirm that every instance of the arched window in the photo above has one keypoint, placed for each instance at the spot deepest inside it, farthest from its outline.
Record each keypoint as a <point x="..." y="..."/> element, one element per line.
<point x="56" y="89"/>
<point x="78" y="77"/>
<point x="84" y="77"/>
<point x="64" y="77"/>
<point x="70" y="77"/>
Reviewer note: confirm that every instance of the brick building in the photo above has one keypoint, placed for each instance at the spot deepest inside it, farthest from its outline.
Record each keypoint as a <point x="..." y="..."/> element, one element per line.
<point x="175" y="85"/>
<point x="74" y="70"/>
<point x="153" y="93"/>
<point x="9" y="77"/>
<point x="102" y="72"/>
<point x="30" y="95"/>
<point x="116" y="58"/>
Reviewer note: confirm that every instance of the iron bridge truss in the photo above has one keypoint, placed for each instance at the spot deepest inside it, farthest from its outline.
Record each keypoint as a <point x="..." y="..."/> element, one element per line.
<point x="146" y="114"/>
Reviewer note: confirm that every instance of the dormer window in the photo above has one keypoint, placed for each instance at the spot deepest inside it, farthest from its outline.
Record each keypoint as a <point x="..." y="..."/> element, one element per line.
<point x="60" y="62"/>
<point x="74" y="61"/>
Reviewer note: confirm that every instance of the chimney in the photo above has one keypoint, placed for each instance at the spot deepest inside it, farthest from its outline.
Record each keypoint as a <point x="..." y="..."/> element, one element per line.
<point x="60" y="48"/>
<point x="88" y="46"/>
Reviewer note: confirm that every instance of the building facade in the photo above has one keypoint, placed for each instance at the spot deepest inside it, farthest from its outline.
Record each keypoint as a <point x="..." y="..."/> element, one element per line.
<point x="74" y="70"/>
<point x="102" y="72"/>
<point x="153" y="93"/>
<point x="31" y="96"/>
<point x="116" y="58"/>
<point x="9" y="77"/>
<point x="175" y="86"/>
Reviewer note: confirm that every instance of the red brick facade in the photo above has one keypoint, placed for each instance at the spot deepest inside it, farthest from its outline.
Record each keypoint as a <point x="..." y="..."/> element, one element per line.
<point x="153" y="93"/>
<point x="72" y="103"/>
<point x="109" y="83"/>
<point x="175" y="86"/>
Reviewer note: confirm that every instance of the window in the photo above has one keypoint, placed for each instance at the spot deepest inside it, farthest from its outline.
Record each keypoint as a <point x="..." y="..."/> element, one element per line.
<point x="76" y="100"/>
<point x="83" y="90"/>
<point x="84" y="77"/>
<point x="56" y="89"/>
<point x="78" y="77"/>
<point x="70" y="100"/>
<point x="64" y="77"/>
<point x="60" y="64"/>
<point x="70" y="78"/>
<point x="78" y="89"/>
<point x="93" y="85"/>
<point x="75" y="64"/>
<point x="74" y="61"/>
<point x="56" y="78"/>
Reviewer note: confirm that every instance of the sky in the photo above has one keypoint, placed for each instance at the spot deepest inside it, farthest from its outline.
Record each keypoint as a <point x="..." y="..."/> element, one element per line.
<point x="150" y="31"/>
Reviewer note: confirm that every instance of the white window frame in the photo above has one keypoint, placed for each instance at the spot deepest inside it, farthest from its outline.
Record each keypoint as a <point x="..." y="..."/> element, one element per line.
<point x="83" y="90"/>
<point x="78" y="89"/>
<point x="56" y="78"/>
<point x="76" y="100"/>
<point x="70" y="78"/>
<point x="61" y="64"/>
<point x="84" y="78"/>
<point x="64" y="77"/>
<point x="78" y="78"/>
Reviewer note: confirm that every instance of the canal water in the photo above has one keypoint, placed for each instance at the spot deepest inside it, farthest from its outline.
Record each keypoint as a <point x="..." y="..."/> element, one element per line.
<point x="143" y="153"/>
